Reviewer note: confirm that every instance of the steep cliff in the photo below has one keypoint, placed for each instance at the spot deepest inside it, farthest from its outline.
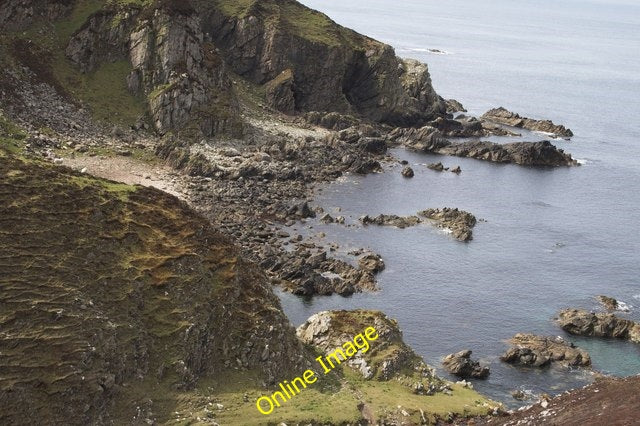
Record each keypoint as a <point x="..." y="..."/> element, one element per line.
<point x="183" y="58"/>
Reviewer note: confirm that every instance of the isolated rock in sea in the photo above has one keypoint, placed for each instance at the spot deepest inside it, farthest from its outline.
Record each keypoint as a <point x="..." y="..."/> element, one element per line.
<point x="504" y="116"/>
<point x="460" y="364"/>
<point x="460" y="223"/>
<point x="539" y="351"/>
<point x="438" y="167"/>
<point x="408" y="172"/>
<point x="612" y="304"/>
<point x="584" y="323"/>
<point x="391" y="220"/>
<point x="457" y="170"/>
<point x="371" y="262"/>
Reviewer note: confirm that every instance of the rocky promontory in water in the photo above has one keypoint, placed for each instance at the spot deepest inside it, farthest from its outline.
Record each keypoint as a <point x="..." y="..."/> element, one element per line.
<point x="584" y="323"/>
<point x="540" y="351"/>
<point x="458" y="222"/>
<point x="504" y="116"/>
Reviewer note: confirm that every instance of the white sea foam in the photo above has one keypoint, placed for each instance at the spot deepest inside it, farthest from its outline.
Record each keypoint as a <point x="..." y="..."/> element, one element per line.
<point x="623" y="307"/>
<point x="424" y="50"/>
<point x="582" y="162"/>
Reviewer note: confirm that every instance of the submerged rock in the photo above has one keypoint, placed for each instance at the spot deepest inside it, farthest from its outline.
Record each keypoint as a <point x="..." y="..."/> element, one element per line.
<point x="460" y="364"/>
<point x="539" y="351"/>
<point x="504" y="116"/>
<point x="583" y="323"/>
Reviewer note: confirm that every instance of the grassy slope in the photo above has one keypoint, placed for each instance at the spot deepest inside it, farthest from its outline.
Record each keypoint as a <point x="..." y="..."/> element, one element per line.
<point x="294" y="18"/>
<point x="104" y="90"/>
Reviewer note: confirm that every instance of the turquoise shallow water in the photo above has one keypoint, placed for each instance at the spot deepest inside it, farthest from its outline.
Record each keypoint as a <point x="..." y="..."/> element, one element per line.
<point x="552" y="238"/>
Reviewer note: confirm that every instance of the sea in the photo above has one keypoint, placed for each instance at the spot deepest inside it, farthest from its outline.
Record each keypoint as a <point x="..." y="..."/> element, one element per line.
<point x="549" y="238"/>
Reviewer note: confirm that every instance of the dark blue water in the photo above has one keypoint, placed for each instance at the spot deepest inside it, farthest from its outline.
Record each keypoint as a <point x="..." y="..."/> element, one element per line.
<point x="553" y="238"/>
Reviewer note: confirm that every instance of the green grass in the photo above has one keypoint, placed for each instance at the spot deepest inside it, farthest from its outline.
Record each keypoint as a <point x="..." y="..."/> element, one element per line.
<point x="11" y="136"/>
<point x="293" y="18"/>
<point x="103" y="90"/>
<point x="82" y="10"/>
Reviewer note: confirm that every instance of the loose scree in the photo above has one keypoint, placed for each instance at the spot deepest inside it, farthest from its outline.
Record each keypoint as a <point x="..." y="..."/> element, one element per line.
<point x="360" y="343"/>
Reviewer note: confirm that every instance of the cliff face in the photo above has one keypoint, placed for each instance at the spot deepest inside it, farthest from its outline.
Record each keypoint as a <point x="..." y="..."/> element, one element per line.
<point x="184" y="55"/>
<point x="115" y="295"/>
<point x="334" y="69"/>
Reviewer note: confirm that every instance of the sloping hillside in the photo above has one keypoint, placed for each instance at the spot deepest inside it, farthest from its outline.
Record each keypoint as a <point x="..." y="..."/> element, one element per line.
<point x="117" y="297"/>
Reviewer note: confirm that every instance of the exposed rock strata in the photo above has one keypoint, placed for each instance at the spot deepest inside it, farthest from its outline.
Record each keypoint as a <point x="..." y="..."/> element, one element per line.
<point x="584" y="323"/>
<point x="504" y="116"/>
<point x="538" y="351"/>
<point x="460" y="364"/>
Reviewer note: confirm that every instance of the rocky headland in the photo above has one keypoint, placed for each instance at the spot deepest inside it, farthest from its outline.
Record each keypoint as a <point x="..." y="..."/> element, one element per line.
<point x="503" y="116"/>
<point x="143" y="308"/>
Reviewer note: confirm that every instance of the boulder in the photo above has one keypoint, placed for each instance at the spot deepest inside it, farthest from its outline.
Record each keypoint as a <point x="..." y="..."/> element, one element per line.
<point x="373" y="145"/>
<point x="408" y="172"/>
<point x="460" y="364"/>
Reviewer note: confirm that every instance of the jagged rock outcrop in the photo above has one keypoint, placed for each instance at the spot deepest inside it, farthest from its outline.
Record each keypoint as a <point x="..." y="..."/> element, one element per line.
<point x="179" y="52"/>
<point x="390" y="220"/>
<point x="454" y="106"/>
<point x="584" y="323"/>
<point x="540" y="351"/>
<point x="523" y="153"/>
<point x="460" y="223"/>
<point x="504" y="116"/>
<point x="335" y="69"/>
<point x="371" y="262"/>
<point x="612" y="304"/>
<point x="460" y="364"/>
<point x="280" y="94"/>
<point x="329" y="330"/>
